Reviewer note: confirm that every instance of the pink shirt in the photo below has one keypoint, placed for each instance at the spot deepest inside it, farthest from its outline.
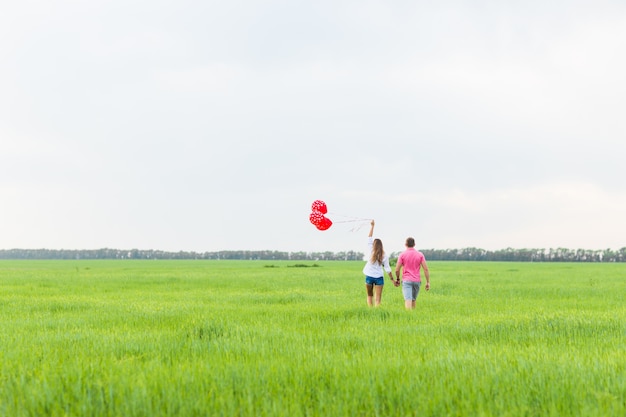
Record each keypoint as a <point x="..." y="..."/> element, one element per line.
<point x="411" y="261"/>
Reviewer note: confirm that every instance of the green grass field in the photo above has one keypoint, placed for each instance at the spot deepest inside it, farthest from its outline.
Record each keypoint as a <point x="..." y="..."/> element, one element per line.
<point x="259" y="338"/>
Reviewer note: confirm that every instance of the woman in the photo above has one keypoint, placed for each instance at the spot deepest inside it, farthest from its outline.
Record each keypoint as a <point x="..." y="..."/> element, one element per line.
<point x="373" y="270"/>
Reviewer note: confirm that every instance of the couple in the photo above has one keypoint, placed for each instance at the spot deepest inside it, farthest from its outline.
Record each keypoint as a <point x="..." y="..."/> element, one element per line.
<point x="410" y="261"/>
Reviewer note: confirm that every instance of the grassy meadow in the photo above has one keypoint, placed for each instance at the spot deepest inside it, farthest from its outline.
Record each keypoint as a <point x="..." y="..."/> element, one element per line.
<point x="262" y="338"/>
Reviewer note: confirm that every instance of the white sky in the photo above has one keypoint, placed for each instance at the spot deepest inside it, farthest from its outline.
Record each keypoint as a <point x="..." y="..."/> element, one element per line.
<point x="213" y="125"/>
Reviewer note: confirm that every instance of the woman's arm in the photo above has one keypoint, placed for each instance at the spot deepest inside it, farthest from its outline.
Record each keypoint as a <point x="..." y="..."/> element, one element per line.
<point x="371" y="229"/>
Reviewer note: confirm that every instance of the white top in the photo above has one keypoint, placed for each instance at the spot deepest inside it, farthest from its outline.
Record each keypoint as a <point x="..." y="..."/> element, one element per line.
<point x="375" y="270"/>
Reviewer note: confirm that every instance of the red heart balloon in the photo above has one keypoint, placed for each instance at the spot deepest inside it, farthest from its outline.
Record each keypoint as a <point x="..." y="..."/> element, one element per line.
<point x="324" y="224"/>
<point x="319" y="205"/>
<point x="316" y="218"/>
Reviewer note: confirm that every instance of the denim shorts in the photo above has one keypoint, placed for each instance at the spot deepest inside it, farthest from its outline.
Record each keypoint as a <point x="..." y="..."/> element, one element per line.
<point x="410" y="290"/>
<point x="374" y="281"/>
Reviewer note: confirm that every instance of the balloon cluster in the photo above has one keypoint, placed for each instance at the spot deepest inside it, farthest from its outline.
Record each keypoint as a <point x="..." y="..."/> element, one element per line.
<point x="317" y="218"/>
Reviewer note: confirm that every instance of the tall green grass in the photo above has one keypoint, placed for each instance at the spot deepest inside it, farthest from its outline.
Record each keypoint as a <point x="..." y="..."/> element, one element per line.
<point x="248" y="338"/>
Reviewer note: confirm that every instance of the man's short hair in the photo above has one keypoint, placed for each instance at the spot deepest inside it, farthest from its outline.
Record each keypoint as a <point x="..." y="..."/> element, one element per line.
<point x="410" y="242"/>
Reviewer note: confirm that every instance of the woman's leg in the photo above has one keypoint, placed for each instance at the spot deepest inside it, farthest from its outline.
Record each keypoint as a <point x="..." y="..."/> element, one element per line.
<point x="370" y="293"/>
<point x="378" y="293"/>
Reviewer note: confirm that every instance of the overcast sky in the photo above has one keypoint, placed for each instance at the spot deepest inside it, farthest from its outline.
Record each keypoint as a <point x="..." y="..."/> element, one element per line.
<point x="213" y="125"/>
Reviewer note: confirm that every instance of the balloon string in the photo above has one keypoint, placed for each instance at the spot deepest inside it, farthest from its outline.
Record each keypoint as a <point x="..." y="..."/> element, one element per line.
<point x="357" y="228"/>
<point x="350" y="221"/>
<point x="359" y="220"/>
<point x="352" y="218"/>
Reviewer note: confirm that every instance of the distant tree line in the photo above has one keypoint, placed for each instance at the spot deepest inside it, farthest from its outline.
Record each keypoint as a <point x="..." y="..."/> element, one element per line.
<point x="526" y="255"/>
<point x="465" y="254"/>
<point x="157" y="254"/>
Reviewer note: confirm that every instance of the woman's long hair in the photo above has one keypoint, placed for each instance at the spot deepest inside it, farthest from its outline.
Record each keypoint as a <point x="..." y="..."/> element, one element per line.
<point x="377" y="252"/>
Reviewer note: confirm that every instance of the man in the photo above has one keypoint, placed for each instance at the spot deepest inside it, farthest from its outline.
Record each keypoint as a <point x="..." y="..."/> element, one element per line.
<point x="411" y="261"/>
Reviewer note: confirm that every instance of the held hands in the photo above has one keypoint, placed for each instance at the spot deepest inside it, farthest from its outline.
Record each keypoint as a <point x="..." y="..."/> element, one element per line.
<point x="396" y="282"/>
